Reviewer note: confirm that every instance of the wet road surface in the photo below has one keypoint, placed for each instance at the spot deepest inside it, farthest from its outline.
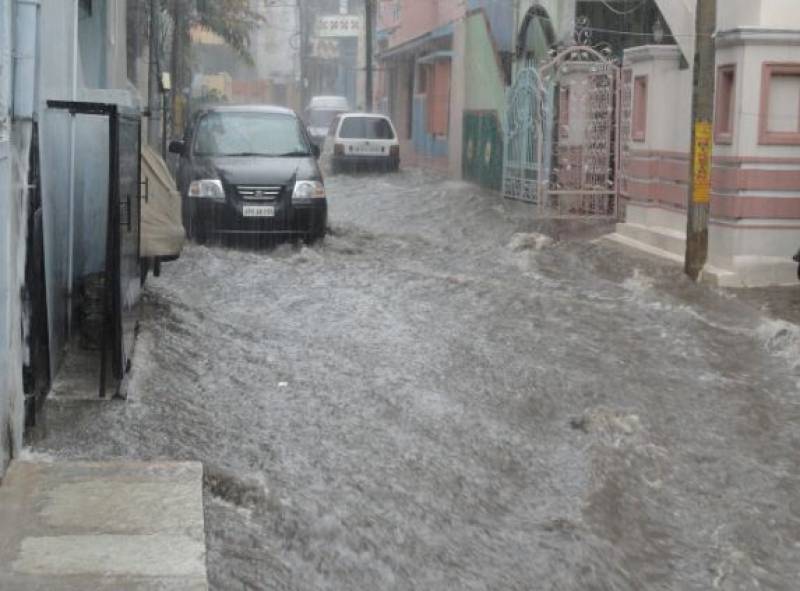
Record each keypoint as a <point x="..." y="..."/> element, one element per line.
<point x="447" y="394"/>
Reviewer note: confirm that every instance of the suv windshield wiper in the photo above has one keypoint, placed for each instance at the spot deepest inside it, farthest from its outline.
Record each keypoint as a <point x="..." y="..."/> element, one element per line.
<point x="262" y="154"/>
<point x="296" y="153"/>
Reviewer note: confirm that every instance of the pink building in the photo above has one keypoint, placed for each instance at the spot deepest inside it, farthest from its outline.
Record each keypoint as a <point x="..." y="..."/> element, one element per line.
<point x="416" y="53"/>
<point x="409" y="19"/>
<point x="755" y="202"/>
<point x="445" y="66"/>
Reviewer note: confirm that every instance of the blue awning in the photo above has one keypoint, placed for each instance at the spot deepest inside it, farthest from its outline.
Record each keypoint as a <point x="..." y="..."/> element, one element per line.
<point x="418" y="43"/>
<point x="435" y="57"/>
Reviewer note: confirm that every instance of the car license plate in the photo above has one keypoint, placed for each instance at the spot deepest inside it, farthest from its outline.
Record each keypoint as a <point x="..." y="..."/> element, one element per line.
<point x="258" y="211"/>
<point x="369" y="150"/>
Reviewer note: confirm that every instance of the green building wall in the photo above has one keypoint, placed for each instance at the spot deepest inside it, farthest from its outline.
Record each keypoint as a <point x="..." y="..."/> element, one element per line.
<point x="482" y="155"/>
<point x="483" y="149"/>
<point x="485" y="90"/>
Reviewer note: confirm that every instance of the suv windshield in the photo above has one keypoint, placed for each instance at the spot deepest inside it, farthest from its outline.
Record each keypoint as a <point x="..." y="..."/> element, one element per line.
<point x="370" y="128"/>
<point x="250" y="134"/>
<point x="321" y="117"/>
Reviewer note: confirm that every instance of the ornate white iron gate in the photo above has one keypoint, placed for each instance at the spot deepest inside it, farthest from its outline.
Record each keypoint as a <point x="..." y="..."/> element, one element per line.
<point x="562" y="128"/>
<point x="523" y="128"/>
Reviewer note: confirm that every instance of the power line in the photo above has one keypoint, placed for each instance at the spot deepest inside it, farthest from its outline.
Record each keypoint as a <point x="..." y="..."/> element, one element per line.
<point x="623" y="12"/>
<point x="635" y="34"/>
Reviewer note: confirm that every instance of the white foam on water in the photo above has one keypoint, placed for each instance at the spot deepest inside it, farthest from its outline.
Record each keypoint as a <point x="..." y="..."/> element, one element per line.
<point x="307" y="255"/>
<point x="613" y="426"/>
<point x="782" y="339"/>
<point x="640" y="288"/>
<point x="27" y="454"/>
<point x="529" y="241"/>
<point x="245" y="512"/>
<point x="638" y="284"/>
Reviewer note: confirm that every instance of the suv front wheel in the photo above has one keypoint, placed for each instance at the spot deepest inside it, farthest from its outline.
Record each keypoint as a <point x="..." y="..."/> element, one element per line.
<point x="316" y="233"/>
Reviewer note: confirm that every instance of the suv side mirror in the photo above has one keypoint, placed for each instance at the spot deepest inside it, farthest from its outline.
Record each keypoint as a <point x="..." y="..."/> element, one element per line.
<point x="315" y="150"/>
<point x="177" y="147"/>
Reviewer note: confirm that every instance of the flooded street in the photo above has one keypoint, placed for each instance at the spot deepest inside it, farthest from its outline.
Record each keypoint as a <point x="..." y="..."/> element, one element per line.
<point x="449" y="395"/>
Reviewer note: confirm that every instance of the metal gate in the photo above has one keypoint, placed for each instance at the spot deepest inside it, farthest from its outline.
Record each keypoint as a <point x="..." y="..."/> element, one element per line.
<point x="561" y="126"/>
<point x="524" y="132"/>
<point x="122" y="279"/>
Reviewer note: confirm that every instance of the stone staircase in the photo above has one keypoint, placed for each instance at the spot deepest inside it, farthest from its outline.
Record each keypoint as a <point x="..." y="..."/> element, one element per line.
<point x="118" y="526"/>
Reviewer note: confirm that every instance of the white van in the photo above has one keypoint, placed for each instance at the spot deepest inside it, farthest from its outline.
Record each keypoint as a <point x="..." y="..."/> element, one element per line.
<point x="362" y="140"/>
<point x="320" y="114"/>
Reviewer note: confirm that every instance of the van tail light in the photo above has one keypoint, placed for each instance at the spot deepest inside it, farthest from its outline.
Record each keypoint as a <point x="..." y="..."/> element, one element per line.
<point x="338" y="149"/>
<point x="395" y="152"/>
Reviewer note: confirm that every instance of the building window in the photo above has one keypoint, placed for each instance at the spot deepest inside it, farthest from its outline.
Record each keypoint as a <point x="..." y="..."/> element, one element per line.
<point x="725" y="104"/>
<point x="779" y="116"/>
<point x="639" y="108"/>
<point x="439" y="98"/>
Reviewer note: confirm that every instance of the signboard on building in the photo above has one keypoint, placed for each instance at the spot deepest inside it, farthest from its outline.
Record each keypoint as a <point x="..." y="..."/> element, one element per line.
<point x="702" y="162"/>
<point x="346" y="25"/>
<point x="326" y="49"/>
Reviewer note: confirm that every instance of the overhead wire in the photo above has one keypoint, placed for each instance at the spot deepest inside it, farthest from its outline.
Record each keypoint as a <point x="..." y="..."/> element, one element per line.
<point x="623" y="12"/>
<point x="619" y="31"/>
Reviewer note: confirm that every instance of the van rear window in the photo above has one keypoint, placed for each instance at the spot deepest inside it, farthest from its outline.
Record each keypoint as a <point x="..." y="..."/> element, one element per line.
<point x="370" y="128"/>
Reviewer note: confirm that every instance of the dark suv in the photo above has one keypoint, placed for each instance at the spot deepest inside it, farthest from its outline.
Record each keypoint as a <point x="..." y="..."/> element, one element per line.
<point x="250" y="170"/>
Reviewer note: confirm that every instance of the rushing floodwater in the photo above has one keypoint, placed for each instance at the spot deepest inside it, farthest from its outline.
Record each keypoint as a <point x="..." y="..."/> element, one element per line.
<point x="441" y="398"/>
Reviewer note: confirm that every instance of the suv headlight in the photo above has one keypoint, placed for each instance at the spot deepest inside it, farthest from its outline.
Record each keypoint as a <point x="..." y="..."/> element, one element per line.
<point x="207" y="189"/>
<point x="307" y="190"/>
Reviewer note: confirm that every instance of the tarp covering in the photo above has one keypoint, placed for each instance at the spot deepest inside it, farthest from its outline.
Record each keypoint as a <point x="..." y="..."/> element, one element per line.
<point x="162" y="229"/>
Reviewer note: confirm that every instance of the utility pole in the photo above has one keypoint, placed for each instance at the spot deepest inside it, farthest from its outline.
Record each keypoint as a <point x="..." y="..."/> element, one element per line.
<point x="368" y="42"/>
<point x="153" y="86"/>
<point x="303" y="30"/>
<point x="178" y="65"/>
<point x="702" y="139"/>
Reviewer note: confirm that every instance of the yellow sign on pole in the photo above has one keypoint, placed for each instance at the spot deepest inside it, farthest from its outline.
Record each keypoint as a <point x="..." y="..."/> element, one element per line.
<point x="702" y="162"/>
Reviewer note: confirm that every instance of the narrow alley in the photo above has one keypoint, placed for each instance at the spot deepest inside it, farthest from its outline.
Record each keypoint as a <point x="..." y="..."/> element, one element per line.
<point x="498" y="403"/>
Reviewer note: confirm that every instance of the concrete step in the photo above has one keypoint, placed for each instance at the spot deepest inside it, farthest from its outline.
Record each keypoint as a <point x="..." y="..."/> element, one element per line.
<point x="102" y="526"/>
<point x="662" y="242"/>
